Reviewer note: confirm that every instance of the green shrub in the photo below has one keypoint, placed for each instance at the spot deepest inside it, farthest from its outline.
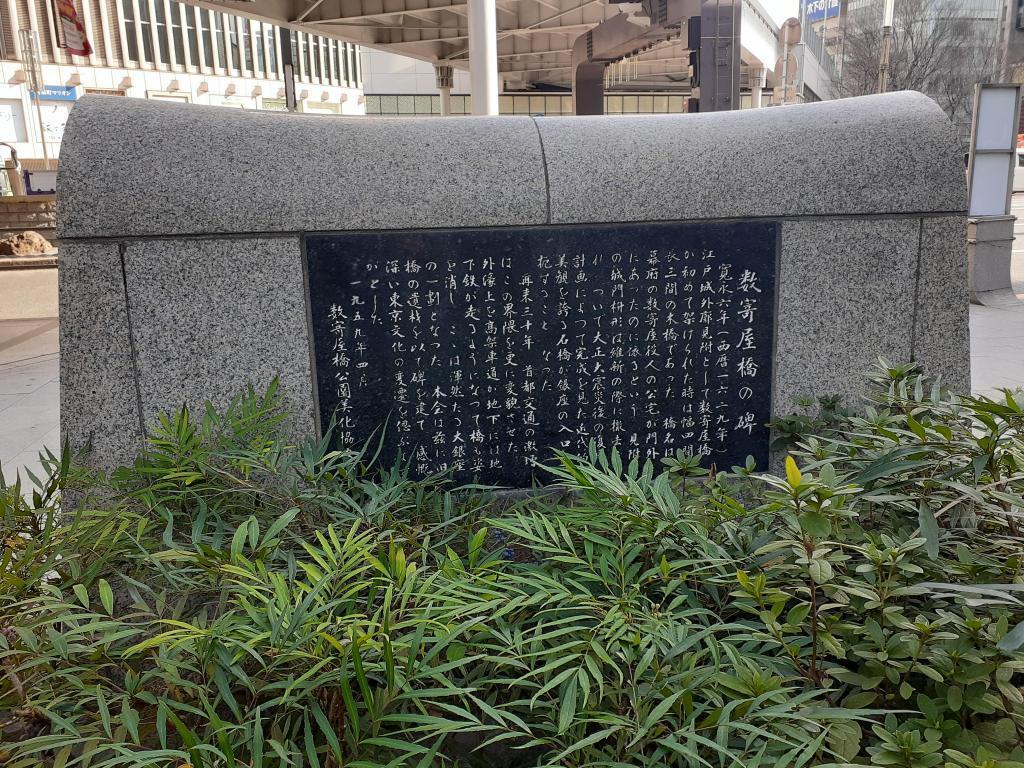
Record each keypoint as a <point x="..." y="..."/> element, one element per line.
<point x="233" y="600"/>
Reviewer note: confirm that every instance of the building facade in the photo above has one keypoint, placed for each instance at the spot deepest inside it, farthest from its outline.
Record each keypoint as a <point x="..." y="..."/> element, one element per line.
<point x="399" y="86"/>
<point x="161" y="49"/>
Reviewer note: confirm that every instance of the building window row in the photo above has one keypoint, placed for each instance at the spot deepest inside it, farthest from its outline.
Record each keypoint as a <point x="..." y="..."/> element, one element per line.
<point x="526" y="104"/>
<point x="541" y="104"/>
<point x="170" y="35"/>
<point x="215" y="40"/>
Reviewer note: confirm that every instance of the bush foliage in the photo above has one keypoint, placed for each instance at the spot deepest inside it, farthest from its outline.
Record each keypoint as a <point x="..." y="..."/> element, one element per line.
<point x="231" y="600"/>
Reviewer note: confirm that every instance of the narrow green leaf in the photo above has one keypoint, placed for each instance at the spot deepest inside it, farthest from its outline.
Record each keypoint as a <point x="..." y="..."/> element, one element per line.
<point x="1012" y="640"/>
<point x="106" y="597"/>
<point x="929" y="529"/>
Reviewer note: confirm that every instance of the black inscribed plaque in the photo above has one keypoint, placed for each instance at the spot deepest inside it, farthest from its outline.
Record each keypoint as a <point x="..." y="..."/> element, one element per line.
<point x="482" y="350"/>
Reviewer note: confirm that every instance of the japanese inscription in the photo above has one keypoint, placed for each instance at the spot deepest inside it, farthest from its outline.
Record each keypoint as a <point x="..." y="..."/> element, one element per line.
<point x="482" y="350"/>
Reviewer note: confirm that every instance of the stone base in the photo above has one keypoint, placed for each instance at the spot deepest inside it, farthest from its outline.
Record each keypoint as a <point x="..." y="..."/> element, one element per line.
<point x="989" y="251"/>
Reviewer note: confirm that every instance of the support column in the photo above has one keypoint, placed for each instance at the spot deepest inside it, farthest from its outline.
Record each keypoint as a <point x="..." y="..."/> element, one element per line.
<point x="587" y="78"/>
<point x="719" y="55"/>
<point x="483" y="56"/>
<point x="444" y="76"/>
<point x="757" y="82"/>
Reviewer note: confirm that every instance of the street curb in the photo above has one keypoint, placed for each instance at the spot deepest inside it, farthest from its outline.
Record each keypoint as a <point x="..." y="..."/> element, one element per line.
<point x="42" y="261"/>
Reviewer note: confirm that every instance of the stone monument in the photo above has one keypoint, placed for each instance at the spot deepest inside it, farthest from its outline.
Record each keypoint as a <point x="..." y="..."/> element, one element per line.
<point x="487" y="289"/>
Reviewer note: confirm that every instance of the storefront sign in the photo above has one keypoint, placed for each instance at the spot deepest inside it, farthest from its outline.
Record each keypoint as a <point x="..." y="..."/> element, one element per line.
<point x="75" y="39"/>
<point x="818" y="10"/>
<point x="58" y="93"/>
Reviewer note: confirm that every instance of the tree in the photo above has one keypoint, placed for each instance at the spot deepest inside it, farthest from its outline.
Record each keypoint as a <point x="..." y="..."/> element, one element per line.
<point x="939" y="47"/>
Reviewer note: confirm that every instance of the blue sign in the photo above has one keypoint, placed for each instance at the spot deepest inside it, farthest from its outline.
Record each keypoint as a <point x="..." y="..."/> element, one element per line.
<point x="58" y="93"/>
<point x="818" y="10"/>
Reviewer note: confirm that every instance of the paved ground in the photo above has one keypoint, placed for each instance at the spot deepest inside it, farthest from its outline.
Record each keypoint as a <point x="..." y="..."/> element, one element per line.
<point x="997" y="333"/>
<point x="29" y="395"/>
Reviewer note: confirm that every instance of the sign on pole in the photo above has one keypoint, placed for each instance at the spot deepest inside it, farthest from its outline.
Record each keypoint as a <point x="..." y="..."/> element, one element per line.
<point x="30" y="54"/>
<point x="73" y="33"/>
<point x="819" y="10"/>
<point x="34" y="73"/>
<point x="993" y="148"/>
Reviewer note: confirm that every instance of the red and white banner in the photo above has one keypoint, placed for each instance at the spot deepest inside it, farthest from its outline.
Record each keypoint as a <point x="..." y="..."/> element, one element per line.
<point x="75" y="39"/>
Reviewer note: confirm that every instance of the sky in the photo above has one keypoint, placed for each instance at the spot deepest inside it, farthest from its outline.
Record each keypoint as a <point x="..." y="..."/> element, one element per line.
<point x="780" y="10"/>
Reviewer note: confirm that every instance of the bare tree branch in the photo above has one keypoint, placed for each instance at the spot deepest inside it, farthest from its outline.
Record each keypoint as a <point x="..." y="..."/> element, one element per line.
<point x="939" y="47"/>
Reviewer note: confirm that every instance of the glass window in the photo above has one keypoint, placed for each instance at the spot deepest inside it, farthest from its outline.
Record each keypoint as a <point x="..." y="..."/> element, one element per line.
<point x="218" y="23"/>
<point x="247" y="44"/>
<point x="232" y="29"/>
<point x="536" y="105"/>
<point x="676" y="104"/>
<point x="660" y="104"/>
<point x="193" y="33"/>
<point x="318" y="57"/>
<point x="373" y="105"/>
<point x="307" y="59"/>
<point x="129" y="29"/>
<point x="178" y="30"/>
<point x="552" y="105"/>
<point x="271" y="35"/>
<point x="613" y="105"/>
<point x="630" y="104"/>
<point x="389" y="105"/>
<point x="261" y="59"/>
<point x="161" y="31"/>
<point x="646" y="105"/>
<point x="505" y="105"/>
<point x="207" y="22"/>
<point x="423" y="105"/>
<point x="147" y="39"/>
<point x="295" y="53"/>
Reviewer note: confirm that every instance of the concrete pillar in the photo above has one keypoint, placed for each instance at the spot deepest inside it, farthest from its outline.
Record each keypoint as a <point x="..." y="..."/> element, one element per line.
<point x="445" y="78"/>
<point x="483" y="56"/>
<point x="989" y="255"/>
<point x="720" y="55"/>
<point x="757" y="82"/>
<point x="587" y="78"/>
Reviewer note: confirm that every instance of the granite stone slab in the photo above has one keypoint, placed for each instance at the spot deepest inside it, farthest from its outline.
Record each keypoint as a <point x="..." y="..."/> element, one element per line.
<point x="211" y="316"/>
<point x="140" y="167"/>
<point x="894" y="153"/>
<point x="846" y="298"/>
<point x="197" y="288"/>
<point x="98" y="396"/>
<point x="942" y="341"/>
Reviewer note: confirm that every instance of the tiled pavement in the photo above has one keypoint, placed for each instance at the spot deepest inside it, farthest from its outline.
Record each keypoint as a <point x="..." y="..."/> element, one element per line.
<point x="997" y="331"/>
<point x="29" y="394"/>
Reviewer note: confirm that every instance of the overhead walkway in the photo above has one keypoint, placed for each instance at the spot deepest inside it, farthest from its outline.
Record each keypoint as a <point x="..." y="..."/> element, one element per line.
<point x="531" y="41"/>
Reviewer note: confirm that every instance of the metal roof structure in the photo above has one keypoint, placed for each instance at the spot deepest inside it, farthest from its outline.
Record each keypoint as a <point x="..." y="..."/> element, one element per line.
<point x="534" y="37"/>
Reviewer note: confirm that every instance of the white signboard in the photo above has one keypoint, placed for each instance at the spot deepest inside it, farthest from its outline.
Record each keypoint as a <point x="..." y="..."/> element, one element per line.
<point x="12" y="124"/>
